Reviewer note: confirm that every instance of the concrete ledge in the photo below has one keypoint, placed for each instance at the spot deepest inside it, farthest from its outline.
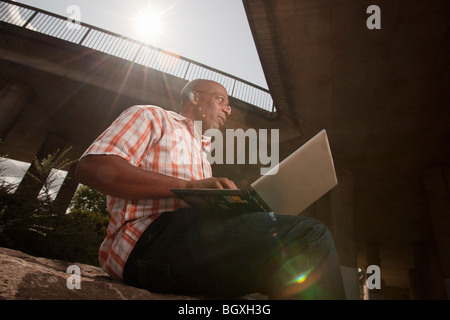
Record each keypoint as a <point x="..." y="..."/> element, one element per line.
<point x="25" y="277"/>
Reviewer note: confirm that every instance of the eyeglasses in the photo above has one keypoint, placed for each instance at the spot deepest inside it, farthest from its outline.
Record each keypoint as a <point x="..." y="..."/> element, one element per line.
<point x="219" y="98"/>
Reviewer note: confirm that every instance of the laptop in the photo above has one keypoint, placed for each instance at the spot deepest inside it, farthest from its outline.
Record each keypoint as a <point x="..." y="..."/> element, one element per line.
<point x="300" y="180"/>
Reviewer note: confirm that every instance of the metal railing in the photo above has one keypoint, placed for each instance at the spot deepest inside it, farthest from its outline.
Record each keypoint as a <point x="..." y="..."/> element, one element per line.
<point x="129" y="49"/>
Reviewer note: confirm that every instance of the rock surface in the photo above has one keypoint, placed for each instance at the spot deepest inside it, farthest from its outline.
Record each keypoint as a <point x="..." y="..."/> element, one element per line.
<point x="25" y="277"/>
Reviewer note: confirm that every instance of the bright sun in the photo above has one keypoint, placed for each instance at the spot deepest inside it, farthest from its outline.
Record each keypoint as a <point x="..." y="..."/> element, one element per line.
<point x="148" y="24"/>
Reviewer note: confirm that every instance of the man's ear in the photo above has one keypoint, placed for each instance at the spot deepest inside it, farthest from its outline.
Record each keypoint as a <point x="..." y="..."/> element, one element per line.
<point x="193" y="97"/>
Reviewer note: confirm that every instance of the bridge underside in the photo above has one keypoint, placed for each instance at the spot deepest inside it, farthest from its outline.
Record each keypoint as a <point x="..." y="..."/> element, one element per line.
<point x="382" y="95"/>
<point x="73" y="93"/>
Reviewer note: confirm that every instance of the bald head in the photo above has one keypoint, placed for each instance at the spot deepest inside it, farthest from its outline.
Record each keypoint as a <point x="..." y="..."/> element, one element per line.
<point x="196" y="85"/>
<point x="206" y="101"/>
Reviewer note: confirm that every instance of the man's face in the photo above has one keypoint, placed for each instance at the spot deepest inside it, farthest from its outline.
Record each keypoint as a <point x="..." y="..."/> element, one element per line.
<point x="212" y="103"/>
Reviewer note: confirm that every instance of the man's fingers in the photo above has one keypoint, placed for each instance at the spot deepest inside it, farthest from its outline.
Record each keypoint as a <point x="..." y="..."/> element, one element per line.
<point x="217" y="184"/>
<point x="213" y="183"/>
<point x="228" y="184"/>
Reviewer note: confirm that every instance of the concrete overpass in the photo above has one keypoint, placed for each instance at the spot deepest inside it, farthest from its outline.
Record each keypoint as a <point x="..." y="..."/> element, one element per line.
<point x="381" y="94"/>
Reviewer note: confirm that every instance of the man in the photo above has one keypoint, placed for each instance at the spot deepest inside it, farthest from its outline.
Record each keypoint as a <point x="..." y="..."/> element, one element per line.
<point x="154" y="242"/>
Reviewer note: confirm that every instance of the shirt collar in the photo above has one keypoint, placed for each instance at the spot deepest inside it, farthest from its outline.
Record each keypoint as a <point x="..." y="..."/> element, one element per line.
<point x="178" y="116"/>
<point x="206" y="141"/>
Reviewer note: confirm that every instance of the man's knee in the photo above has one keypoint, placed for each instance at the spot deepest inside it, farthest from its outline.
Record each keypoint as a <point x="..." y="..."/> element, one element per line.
<point x="313" y="233"/>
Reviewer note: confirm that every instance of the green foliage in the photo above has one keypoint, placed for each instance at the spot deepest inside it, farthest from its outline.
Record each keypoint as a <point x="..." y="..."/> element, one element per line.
<point x="38" y="227"/>
<point x="89" y="199"/>
<point x="22" y="221"/>
<point x="77" y="237"/>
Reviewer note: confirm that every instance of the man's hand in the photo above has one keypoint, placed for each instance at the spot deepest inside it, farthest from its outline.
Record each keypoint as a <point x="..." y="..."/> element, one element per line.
<point x="212" y="183"/>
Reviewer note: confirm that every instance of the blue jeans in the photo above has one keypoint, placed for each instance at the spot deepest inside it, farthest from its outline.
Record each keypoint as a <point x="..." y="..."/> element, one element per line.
<point x="223" y="254"/>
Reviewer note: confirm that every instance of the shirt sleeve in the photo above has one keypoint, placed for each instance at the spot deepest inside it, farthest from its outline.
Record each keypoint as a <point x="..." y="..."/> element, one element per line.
<point x="130" y="136"/>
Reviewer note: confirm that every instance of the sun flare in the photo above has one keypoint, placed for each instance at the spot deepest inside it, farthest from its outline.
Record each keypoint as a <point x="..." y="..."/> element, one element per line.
<point x="149" y="24"/>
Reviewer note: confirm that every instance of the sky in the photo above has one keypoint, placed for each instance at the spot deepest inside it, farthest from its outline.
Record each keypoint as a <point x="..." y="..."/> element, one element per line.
<point x="215" y="33"/>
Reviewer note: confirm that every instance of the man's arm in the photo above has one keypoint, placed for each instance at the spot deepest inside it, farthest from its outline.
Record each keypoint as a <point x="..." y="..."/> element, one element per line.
<point x="114" y="176"/>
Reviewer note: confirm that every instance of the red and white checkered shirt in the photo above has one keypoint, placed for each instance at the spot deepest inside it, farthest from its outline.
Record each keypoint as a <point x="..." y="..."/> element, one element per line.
<point x="153" y="139"/>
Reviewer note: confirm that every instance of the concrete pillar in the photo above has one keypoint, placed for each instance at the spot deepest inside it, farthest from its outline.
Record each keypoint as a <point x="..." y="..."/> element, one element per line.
<point x="14" y="97"/>
<point x="437" y="188"/>
<point x="373" y="258"/>
<point x="29" y="186"/>
<point x="343" y="229"/>
<point x="414" y="295"/>
<point x="428" y="276"/>
<point x="67" y="191"/>
<point x="335" y="210"/>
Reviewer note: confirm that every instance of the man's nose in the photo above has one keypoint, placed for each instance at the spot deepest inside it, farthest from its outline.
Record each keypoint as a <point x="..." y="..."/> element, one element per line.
<point x="227" y="110"/>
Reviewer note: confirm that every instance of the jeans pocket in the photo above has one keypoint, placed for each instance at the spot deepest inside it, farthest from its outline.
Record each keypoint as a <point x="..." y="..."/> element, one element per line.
<point x="154" y="276"/>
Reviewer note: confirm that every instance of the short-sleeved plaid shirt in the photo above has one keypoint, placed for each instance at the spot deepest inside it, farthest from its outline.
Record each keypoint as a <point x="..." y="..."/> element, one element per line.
<point x="153" y="139"/>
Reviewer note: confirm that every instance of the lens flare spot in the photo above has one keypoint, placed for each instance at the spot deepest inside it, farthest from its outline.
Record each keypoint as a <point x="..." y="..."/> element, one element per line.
<point x="301" y="278"/>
